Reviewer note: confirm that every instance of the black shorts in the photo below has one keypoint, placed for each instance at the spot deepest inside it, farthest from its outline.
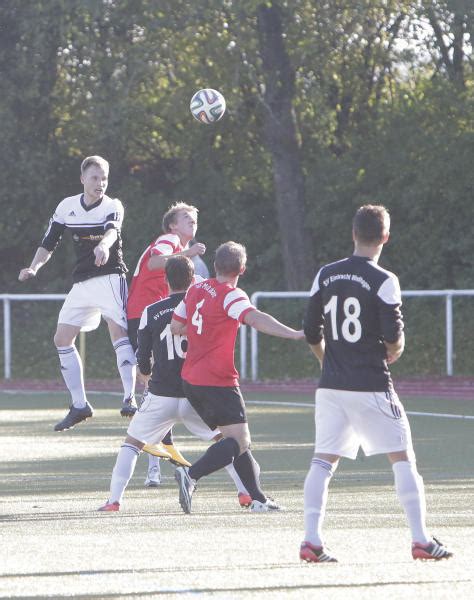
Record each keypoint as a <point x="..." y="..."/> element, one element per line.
<point x="216" y="405"/>
<point x="132" y="331"/>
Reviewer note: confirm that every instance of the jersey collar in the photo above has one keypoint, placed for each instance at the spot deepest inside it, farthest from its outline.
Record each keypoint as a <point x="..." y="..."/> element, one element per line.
<point x="90" y="206"/>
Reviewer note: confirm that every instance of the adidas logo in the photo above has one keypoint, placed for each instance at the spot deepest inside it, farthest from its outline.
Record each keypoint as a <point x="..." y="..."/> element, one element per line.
<point x="72" y="214"/>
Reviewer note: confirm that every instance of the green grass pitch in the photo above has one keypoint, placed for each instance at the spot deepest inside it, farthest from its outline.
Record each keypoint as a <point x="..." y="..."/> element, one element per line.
<point x="56" y="544"/>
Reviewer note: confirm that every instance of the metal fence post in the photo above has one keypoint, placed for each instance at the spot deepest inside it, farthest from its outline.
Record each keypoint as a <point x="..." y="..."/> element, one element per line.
<point x="7" y="342"/>
<point x="449" y="334"/>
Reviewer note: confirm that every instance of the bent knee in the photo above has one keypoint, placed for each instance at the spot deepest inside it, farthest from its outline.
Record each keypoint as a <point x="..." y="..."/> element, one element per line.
<point x="244" y="443"/>
<point x="61" y="340"/>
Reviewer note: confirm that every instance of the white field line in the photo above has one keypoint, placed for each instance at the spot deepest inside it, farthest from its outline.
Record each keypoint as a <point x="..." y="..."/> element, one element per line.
<point x="256" y="402"/>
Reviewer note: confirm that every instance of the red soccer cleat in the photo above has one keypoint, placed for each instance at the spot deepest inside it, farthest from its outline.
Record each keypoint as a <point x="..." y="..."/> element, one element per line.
<point x="433" y="550"/>
<point x="316" y="554"/>
<point x="110" y="507"/>
<point x="244" y="500"/>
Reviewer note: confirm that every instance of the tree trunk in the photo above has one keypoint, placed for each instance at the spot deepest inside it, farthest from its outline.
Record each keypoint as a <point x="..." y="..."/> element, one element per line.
<point x="282" y="141"/>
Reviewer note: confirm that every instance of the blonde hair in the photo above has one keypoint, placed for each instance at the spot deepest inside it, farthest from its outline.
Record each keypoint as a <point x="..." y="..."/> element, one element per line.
<point x="172" y="212"/>
<point x="94" y="161"/>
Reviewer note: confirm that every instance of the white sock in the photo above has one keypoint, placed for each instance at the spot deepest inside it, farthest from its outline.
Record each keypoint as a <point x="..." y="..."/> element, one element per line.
<point x="71" y="370"/>
<point x="153" y="461"/>
<point x="127" y="366"/>
<point x="411" y="494"/>
<point x="315" y="498"/>
<point x="123" y="471"/>
<point x="241" y="489"/>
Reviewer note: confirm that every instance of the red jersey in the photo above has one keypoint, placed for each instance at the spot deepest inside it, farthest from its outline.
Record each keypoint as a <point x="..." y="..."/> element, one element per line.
<point x="147" y="285"/>
<point x="212" y="312"/>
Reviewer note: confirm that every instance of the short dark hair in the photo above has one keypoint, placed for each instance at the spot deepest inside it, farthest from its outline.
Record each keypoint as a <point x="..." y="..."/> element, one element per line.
<point x="179" y="272"/>
<point x="172" y="212"/>
<point x="231" y="257"/>
<point x="371" y="223"/>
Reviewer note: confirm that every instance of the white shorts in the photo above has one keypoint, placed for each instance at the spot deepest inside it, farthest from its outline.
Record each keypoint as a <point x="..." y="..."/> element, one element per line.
<point x="157" y="415"/>
<point x="375" y="421"/>
<point x="99" y="296"/>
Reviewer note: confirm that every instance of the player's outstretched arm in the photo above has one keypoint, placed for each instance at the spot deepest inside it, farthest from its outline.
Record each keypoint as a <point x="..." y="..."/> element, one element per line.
<point x="40" y="258"/>
<point x="267" y="324"/>
<point x="177" y="328"/>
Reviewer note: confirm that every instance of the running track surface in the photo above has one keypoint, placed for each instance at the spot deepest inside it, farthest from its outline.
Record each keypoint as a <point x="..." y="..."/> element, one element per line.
<point x="457" y="388"/>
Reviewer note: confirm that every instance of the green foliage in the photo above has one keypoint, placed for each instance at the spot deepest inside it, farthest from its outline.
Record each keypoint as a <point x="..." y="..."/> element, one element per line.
<point x="381" y="116"/>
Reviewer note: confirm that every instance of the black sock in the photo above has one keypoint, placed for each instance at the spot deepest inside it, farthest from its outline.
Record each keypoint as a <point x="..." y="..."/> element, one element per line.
<point x="168" y="439"/>
<point x="216" y="457"/>
<point x="245" y="467"/>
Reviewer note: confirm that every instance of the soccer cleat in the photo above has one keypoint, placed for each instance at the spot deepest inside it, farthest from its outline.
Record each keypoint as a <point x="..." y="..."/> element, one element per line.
<point x="186" y="488"/>
<point x="176" y="457"/>
<point x="245" y="500"/>
<point x="316" y="554"/>
<point x="74" y="416"/>
<point x="157" y="450"/>
<point x="110" y="507"/>
<point x="129" y="407"/>
<point x="153" y="478"/>
<point x="268" y="506"/>
<point x="433" y="550"/>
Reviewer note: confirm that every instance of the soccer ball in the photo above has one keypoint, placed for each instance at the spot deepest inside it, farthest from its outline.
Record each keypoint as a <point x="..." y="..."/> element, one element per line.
<point x="207" y="106"/>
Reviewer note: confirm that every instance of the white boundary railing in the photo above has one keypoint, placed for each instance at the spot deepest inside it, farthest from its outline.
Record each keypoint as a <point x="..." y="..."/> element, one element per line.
<point x="7" y="327"/>
<point x="448" y="295"/>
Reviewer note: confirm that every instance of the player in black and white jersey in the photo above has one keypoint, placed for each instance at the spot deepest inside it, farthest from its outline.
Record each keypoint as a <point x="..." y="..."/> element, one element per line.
<point x="100" y="287"/>
<point x="354" y="327"/>
<point x="164" y="404"/>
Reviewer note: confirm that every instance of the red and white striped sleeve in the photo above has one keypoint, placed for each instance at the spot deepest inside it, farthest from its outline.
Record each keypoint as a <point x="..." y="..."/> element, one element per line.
<point x="237" y="304"/>
<point x="180" y="312"/>
<point x="166" y="244"/>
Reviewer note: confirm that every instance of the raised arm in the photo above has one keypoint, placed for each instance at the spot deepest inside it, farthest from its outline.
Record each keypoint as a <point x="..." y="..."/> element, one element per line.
<point x="158" y="261"/>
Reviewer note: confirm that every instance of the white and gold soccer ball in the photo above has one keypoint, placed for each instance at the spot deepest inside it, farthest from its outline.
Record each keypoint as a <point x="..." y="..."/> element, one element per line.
<point x="207" y="106"/>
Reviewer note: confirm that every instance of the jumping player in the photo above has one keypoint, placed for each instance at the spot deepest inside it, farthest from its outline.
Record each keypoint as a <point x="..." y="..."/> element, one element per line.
<point x="179" y="225"/>
<point x="100" y="287"/>
<point x="210" y="316"/>
<point x="164" y="403"/>
<point x="354" y="327"/>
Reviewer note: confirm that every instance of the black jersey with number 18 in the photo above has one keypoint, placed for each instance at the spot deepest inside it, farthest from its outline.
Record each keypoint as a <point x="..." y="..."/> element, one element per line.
<point x="355" y="306"/>
<point x="154" y="336"/>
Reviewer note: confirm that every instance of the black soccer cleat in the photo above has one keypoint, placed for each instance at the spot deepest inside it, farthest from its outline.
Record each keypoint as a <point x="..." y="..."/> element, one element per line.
<point x="129" y="407"/>
<point x="74" y="416"/>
